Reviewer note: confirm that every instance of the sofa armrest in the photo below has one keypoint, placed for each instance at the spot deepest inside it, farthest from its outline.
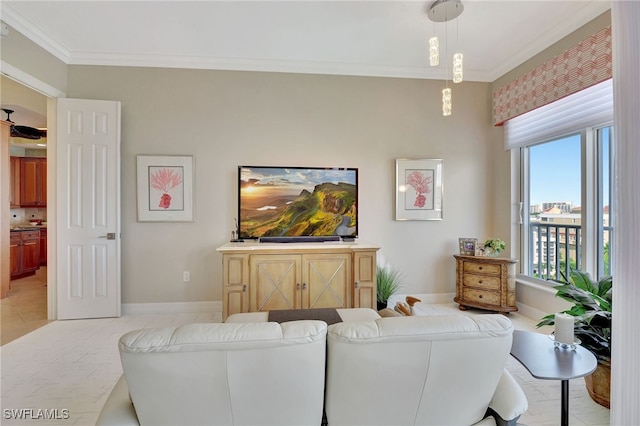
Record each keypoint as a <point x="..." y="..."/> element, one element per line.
<point x="509" y="401"/>
<point x="118" y="409"/>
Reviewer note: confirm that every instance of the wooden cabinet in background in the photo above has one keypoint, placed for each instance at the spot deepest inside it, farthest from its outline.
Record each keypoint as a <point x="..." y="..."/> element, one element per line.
<point x="43" y="247"/>
<point x="266" y="276"/>
<point x="33" y="182"/>
<point x="14" y="192"/>
<point x="24" y="252"/>
<point x="486" y="283"/>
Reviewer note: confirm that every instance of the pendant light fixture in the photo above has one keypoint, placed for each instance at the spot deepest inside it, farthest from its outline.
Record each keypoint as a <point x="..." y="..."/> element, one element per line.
<point x="445" y="11"/>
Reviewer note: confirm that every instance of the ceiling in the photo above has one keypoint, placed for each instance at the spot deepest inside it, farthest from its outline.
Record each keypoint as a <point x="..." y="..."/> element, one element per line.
<point x="363" y="38"/>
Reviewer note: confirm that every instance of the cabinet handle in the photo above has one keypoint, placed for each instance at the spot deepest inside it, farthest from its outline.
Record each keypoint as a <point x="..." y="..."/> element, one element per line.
<point x="304" y="286"/>
<point x="298" y="286"/>
<point x="244" y="287"/>
<point x="356" y="284"/>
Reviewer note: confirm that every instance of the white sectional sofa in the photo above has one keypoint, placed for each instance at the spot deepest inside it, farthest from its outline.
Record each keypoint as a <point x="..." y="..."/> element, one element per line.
<point x="435" y="370"/>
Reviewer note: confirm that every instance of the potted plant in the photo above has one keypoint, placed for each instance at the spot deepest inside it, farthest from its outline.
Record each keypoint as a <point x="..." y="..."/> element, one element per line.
<point x="387" y="283"/>
<point x="592" y="311"/>
<point x="494" y="246"/>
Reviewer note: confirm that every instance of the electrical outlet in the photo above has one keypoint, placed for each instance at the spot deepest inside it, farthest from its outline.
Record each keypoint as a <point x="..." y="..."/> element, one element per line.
<point x="186" y="276"/>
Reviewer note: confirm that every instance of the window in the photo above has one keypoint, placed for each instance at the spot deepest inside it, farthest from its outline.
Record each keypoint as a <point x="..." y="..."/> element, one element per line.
<point x="555" y="174"/>
<point x="564" y="157"/>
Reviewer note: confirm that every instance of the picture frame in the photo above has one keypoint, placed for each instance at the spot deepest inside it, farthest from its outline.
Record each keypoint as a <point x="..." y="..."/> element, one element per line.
<point x="468" y="246"/>
<point x="165" y="188"/>
<point x="419" y="189"/>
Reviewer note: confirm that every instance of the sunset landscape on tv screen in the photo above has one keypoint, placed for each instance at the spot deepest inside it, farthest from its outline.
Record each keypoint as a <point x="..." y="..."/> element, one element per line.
<point x="297" y="202"/>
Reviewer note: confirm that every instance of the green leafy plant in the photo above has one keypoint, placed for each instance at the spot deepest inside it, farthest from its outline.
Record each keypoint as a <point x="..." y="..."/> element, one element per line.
<point x="388" y="281"/>
<point x="591" y="309"/>
<point x="495" y="244"/>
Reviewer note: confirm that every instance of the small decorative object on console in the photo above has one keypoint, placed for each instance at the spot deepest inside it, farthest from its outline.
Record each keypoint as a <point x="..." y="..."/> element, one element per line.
<point x="494" y="246"/>
<point x="468" y="246"/>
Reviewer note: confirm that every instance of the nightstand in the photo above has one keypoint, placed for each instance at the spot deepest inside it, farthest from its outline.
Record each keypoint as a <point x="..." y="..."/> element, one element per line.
<point x="486" y="283"/>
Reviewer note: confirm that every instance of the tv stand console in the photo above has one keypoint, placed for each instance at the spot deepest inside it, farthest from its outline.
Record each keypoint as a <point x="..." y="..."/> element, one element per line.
<point x="259" y="276"/>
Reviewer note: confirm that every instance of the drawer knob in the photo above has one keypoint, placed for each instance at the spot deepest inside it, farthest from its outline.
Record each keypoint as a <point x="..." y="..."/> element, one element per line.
<point x="479" y="296"/>
<point x="480" y="267"/>
<point x="480" y="281"/>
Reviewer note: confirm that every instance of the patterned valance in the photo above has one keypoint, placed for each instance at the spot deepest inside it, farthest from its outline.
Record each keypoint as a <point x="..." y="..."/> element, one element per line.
<point x="579" y="67"/>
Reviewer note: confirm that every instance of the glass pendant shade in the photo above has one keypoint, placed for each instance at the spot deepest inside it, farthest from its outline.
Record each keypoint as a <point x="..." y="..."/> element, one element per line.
<point x="446" y="101"/>
<point x="457" y="68"/>
<point x="434" y="51"/>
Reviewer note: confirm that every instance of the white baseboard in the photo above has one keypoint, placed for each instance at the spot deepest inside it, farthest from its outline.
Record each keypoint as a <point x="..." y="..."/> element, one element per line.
<point x="171" y="308"/>
<point x="530" y="312"/>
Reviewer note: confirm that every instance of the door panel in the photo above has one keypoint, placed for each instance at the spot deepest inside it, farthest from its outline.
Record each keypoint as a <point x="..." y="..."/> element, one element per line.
<point x="327" y="278"/>
<point x="88" y="154"/>
<point x="274" y="282"/>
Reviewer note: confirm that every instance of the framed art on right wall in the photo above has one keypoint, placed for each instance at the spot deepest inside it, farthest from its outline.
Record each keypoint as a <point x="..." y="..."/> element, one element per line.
<point x="418" y="189"/>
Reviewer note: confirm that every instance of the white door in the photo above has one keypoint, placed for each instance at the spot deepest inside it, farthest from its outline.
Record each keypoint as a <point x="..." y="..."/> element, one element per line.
<point x="88" y="208"/>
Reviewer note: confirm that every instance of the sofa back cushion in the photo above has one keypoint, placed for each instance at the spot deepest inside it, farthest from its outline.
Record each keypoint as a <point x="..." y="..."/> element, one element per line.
<point x="430" y="370"/>
<point x="227" y="374"/>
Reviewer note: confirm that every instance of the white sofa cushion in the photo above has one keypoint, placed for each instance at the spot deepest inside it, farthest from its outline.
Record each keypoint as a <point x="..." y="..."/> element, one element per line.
<point x="431" y="370"/>
<point x="227" y="374"/>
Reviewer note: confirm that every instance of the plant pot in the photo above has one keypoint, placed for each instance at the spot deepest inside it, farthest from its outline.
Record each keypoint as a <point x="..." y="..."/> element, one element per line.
<point x="599" y="383"/>
<point x="381" y="305"/>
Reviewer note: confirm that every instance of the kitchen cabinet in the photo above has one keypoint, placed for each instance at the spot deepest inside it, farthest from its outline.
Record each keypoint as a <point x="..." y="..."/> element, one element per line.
<point x="24" y="252"/>
<point x="33" y="182"/>
<point x="43" y="247"/>
<point x="264" y="276"/>
<point x="486" y="283"/>
<point x="14" y="185"/>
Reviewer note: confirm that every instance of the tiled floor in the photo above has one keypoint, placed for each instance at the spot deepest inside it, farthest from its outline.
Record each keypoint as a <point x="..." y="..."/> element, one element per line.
<point x="72" y="365"/>
<point x="25" y="307"/>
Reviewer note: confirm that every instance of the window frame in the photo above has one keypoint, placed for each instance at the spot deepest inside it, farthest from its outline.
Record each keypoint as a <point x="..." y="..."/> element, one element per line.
<point x="591" y="149"/>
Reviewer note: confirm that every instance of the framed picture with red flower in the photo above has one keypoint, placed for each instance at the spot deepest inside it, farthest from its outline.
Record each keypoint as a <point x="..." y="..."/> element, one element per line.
<point x="165" y="188"/>
<point x="418" y="189"/>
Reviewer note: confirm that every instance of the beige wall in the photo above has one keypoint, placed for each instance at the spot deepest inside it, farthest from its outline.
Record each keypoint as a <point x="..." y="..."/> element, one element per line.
<point x="229" y="118"/>
<point x="32" y="62"/>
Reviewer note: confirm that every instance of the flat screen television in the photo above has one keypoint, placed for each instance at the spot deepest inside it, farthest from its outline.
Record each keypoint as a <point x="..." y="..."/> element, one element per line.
<point x="297" y="202"/>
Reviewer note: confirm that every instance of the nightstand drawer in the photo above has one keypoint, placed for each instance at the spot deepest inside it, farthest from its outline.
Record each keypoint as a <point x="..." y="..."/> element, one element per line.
<point x="482" y="281"/>
<point x="481" y="268"/>
<point x="479" y="296"/>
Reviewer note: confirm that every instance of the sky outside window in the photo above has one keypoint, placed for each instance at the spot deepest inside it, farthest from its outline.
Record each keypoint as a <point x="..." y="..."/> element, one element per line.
<point x="554" y="171"/>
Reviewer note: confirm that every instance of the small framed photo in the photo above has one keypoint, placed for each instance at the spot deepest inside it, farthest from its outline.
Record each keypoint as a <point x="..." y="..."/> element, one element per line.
<point x="165" y="188"/>
<point x="468" y="246"/>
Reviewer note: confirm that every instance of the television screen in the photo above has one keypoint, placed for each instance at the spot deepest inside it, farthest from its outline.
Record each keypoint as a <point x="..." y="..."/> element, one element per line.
<point x="297" y="202"/>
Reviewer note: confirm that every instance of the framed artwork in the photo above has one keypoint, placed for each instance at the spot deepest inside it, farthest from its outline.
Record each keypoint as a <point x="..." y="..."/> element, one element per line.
<point x="165" y="188"/>
<point x="418" y="189"/>
<point x="468" y="246"/>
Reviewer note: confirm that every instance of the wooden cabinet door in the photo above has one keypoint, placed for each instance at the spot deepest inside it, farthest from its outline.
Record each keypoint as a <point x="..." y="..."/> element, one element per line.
<point x="275" y="282"/>
<point x="325" y="281"/>
<point x="15" y="254"/>
<point x="30" y="251"/>
<point x="33" y="188"/>
<point x="14" y="193"/>
<point x="364" y="277"/>
<point x="235" y="284"/>
<point x="43" y="247"/>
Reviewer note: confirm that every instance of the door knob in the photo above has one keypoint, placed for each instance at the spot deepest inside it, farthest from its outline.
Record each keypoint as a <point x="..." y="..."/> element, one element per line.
<point x="109" y="236"/>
